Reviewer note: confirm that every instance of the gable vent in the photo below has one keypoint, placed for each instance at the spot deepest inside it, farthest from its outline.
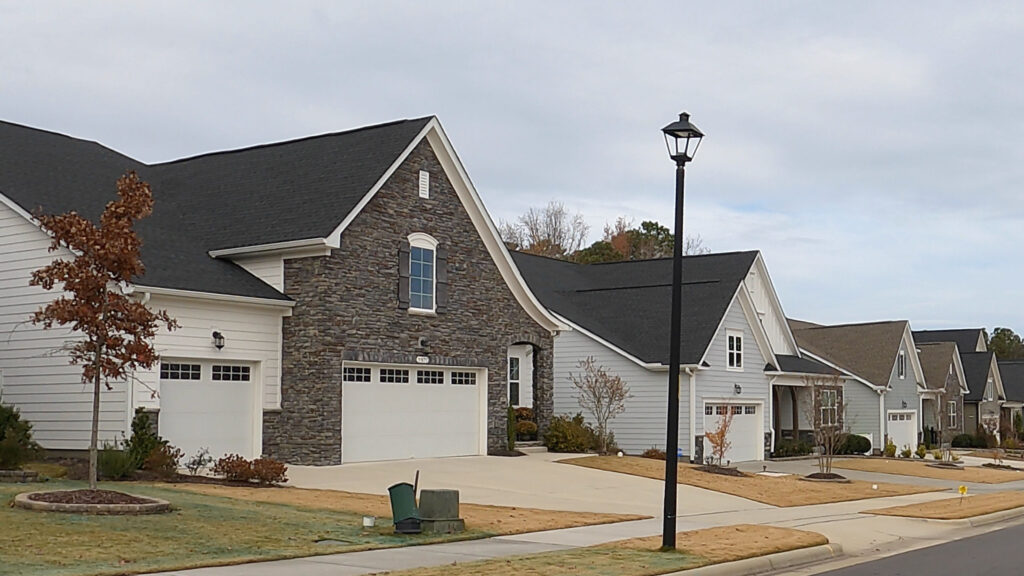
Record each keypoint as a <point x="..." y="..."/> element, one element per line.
<point x="424" y="184"/>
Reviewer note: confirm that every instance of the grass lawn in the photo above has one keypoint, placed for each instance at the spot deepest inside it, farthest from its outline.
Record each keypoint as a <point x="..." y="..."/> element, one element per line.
<point x="782" y="491"/>
<point x="202" y="530"/>
<point x="492" y="519"/>
<point x="640" y="557"/>
<point x="954" y="509"/>
<point x="920" y="469"/>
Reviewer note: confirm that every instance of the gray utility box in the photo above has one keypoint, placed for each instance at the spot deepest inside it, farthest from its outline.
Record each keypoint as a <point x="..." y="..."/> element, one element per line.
<point x="439" y="511"/>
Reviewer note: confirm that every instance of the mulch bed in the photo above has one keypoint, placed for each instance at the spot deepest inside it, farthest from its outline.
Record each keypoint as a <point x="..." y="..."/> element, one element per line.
<point x="505" y="452"/>
<point x="723" y="470"/>
<point x="1000" y="466"/>
<point x="826" y="476"/>
<point x="88" y="497"/>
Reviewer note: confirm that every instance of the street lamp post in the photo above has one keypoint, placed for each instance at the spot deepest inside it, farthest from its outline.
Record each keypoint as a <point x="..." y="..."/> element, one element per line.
<point x="682" y="139"/>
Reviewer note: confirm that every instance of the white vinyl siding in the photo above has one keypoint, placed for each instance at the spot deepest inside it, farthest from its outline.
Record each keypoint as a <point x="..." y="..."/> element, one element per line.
<point x="38" y="379"/>
<point x="270" y="269"/>
<point x="758" y="286"/>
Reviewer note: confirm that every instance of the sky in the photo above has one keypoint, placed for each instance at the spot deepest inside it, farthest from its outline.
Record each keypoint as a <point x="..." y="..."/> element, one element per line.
<point x="873" y="152"/>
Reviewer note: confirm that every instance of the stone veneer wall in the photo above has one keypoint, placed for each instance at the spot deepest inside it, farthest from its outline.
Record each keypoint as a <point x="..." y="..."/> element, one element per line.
<point x="347" y="307"/>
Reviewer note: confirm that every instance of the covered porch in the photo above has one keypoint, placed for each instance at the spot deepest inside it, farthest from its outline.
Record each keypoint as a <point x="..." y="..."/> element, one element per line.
<point x="791" y="417"/>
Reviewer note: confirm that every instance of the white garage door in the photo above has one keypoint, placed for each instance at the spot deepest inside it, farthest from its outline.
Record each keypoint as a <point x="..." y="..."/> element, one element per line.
<point x="903" y="428"/>
<point x="744" y="432"/>
<point x="397" y="412"/>
<point x="208" y="405"/>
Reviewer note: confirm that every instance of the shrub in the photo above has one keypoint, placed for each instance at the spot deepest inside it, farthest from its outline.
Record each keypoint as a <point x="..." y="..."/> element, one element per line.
<point x="16" y="444"/>
<point x="569" y="434"/>
<point x="921" y="451"/>
<point x="790" y="448"/>
<point x="269" y="471"/>
<point x="890" y="449"/>
<point x="854" y="444"/>
<point x="1011" y="443"/>
<point x="510" y="428"/>
<point x="954" y="457"/>
<point x="906" y="452"/>
<point x="963" y="441"/>
<point x="143" y="441"/>
<point x="113" y="463"/>
<point x="937" y="454"/>
<point x="199" y="462"/>
<point x="235" y="468"/>
<point x="525" y="414"/>
<point x="653" y="453"/>
<point x="526" y="430"/>
<point x="985" y="440"/>
<point x="163" y="461"/>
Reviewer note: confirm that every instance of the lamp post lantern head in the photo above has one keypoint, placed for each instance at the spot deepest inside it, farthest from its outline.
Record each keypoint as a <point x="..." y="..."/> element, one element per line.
<point x="682" y="139"/>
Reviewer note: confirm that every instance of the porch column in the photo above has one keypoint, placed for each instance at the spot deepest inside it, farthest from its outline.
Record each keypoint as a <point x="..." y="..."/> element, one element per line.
<point x="796" y="413"/>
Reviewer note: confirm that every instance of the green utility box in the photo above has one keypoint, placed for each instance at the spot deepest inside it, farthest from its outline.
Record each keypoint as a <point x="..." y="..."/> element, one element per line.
<point x="403" y="509"/>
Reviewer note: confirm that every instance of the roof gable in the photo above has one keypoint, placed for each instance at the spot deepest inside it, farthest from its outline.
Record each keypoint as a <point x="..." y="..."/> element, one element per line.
<point x="1012" y="374"/>
<point x="936" y="359"/>
<point x="865" y="350"/>
<point x="967" y="339"/>
<point x="978" y="367"/>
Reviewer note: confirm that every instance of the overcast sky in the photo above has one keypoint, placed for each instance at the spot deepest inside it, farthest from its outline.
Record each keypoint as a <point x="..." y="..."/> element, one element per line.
<point x="873" y="153"/>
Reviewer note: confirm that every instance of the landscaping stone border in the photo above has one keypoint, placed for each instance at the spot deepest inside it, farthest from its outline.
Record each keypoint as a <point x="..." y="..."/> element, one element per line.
<point x="827" y="480"/>
<point x="18" y="476"/>
<point x="157" y="506"/>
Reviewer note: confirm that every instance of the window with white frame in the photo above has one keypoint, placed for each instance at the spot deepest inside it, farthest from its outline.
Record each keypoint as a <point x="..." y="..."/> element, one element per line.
<point x="951" y="410"/>
<point x="464" y="378"/>
<point x="234" y="373"/>
<point x="355" y="374"/>
<point x="829" y="407"/>
<point x="901" y="365"/>
<point x="422" y="279"/>
<point x="734" y="350"/>
<point x="709" y="410"/>
<point x="175" y="371"/>
<point x="430" y="377"/>
<point x="394" y="375"/>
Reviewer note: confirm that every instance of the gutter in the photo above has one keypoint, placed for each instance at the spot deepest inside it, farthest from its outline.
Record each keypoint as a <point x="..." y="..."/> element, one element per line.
<point x="149" y="290"/>
<point x="272" y="247"/>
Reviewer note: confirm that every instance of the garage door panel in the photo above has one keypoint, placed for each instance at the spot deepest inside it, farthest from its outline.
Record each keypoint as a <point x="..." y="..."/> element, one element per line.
<point x="204" y="413"/>
<point x="384" y="421"/>
<point x="744" y="432"/>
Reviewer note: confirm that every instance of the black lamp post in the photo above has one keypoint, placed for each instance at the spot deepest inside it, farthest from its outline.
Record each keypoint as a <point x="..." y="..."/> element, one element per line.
<point x="682" y="140"/>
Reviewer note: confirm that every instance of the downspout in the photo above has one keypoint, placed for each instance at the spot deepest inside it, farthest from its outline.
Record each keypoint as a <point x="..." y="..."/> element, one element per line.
<point x="693" y="412"/>
<point x="881" y="419"/>
<point x="771" y="413"/>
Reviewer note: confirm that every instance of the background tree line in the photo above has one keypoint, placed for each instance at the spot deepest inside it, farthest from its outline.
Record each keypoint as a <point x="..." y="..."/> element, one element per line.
<point x="553" y="232"/>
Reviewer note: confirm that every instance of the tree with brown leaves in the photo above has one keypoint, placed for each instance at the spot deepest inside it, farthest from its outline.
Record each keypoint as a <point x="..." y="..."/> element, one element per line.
<point x="719" y="436"/>
<point x="116" y="331"/>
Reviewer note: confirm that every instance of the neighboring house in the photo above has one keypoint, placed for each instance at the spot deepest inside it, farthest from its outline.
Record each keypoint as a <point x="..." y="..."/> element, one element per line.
<point x="983" y="404"/>
<point x="966" y="339"/>
<point x="736" y="345"/>
<point x="342" y="298"/>
<point x="942" y="405"/>
<point x="1011" y="372"/>
<point x="886" y="383"/>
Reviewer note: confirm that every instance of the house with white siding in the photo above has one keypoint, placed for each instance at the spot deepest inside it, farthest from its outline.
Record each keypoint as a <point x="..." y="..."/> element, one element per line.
<point x="885" y="383"/>
<point x="324" y="286"/>
<point x="736" y="346"/>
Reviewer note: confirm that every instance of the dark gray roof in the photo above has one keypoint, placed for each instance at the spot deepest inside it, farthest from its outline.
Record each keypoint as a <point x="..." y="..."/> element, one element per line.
<point x="291" y="190"/>
<point x="976" y="370"/>
<point x="627" y="303"/>
<point x="798" y="365"/>
<point x="1012" y="374"/>
<point x="868" y="350"/>
<point x="966" y="338"/>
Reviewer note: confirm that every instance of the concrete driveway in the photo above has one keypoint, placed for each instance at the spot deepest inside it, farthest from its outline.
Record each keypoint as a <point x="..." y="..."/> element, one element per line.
<point x="536" y="480"/>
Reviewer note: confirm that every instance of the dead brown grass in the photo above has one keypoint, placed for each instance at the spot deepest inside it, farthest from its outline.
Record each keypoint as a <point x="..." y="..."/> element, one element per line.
<point x="494" y="519"/>
<point x="783" y="491"/>
<point x="954" y="509"/>
<point x="641" y="556"/>
<point x="920" y="469"/>
<point x="988" y="454"/>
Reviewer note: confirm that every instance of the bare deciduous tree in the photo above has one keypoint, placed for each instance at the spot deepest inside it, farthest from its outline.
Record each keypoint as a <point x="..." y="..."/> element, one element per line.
<point x="600" y="393"/>
<point x="719" y="437"/>
<point x="826" y="412"/>
<point x="549" y="231"/>
<point x="694" y="246"/>
<point x="116" y="330"/>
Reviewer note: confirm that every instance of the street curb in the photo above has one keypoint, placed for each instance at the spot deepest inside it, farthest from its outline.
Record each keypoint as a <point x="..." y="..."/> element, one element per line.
<point x="769" y="563"/>
<point x="983" y="520"/>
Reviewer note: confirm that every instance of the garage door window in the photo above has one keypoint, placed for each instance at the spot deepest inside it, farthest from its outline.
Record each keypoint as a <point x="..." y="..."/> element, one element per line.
<point x="394" y="376"/>
<point x="429" y="377"/>
<point x="464" y="378"/>
<point x="737" y="410"/>
<point x="356" y="374"/>
<point x="231" y="373"/>
<point x="179" y="371"/>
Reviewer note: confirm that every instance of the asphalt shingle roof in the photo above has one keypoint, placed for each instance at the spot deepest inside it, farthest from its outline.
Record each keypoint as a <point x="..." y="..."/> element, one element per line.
<point x="798" y="365"/>
<point x="867" y="350"/>
<point x="1012" y="374"/>
<point x="976" y="370"/>
<point x="935" y="358"/>
<point x="627" y="303"/>
<point x="966" y="339"/>
<point x="292" y="190"/>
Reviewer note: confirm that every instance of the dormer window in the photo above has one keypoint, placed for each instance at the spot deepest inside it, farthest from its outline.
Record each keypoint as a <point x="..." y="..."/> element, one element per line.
<point x="901" y="365"/>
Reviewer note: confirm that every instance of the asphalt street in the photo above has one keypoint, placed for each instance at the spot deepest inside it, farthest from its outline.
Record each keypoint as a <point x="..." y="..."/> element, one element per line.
<point x="995" y="553"/>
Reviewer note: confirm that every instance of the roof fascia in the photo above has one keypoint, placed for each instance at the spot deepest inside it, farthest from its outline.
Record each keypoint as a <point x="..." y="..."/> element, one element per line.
<point x="646" y="365"/>
<point x="291" y="247"/>
<point x="993" y="368"/>
<point x="960" y="370"/>
<point x="18" y="209"/>
<point x="775" y="300"/>
<point x="849" y="374"/>
<point x="750" y="312"/>
<point x="211" y="296"/>
<point x="908" y="339"/>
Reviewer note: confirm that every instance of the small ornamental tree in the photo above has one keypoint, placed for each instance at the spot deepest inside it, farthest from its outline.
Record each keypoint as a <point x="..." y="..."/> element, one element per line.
<point x="826" y="412"/>
<point x="719" y="436"/>
<point x="600" y="393"/>
<point x="116" y="330"/>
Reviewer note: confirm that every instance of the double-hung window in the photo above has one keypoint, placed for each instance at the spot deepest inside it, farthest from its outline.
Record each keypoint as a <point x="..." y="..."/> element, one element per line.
<point x="901" y="365"/>
<point x="734" y="350"/>
<point x="422" y="277"/>
<point x="951" y="410"/>
<point x="829" y="407"/>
